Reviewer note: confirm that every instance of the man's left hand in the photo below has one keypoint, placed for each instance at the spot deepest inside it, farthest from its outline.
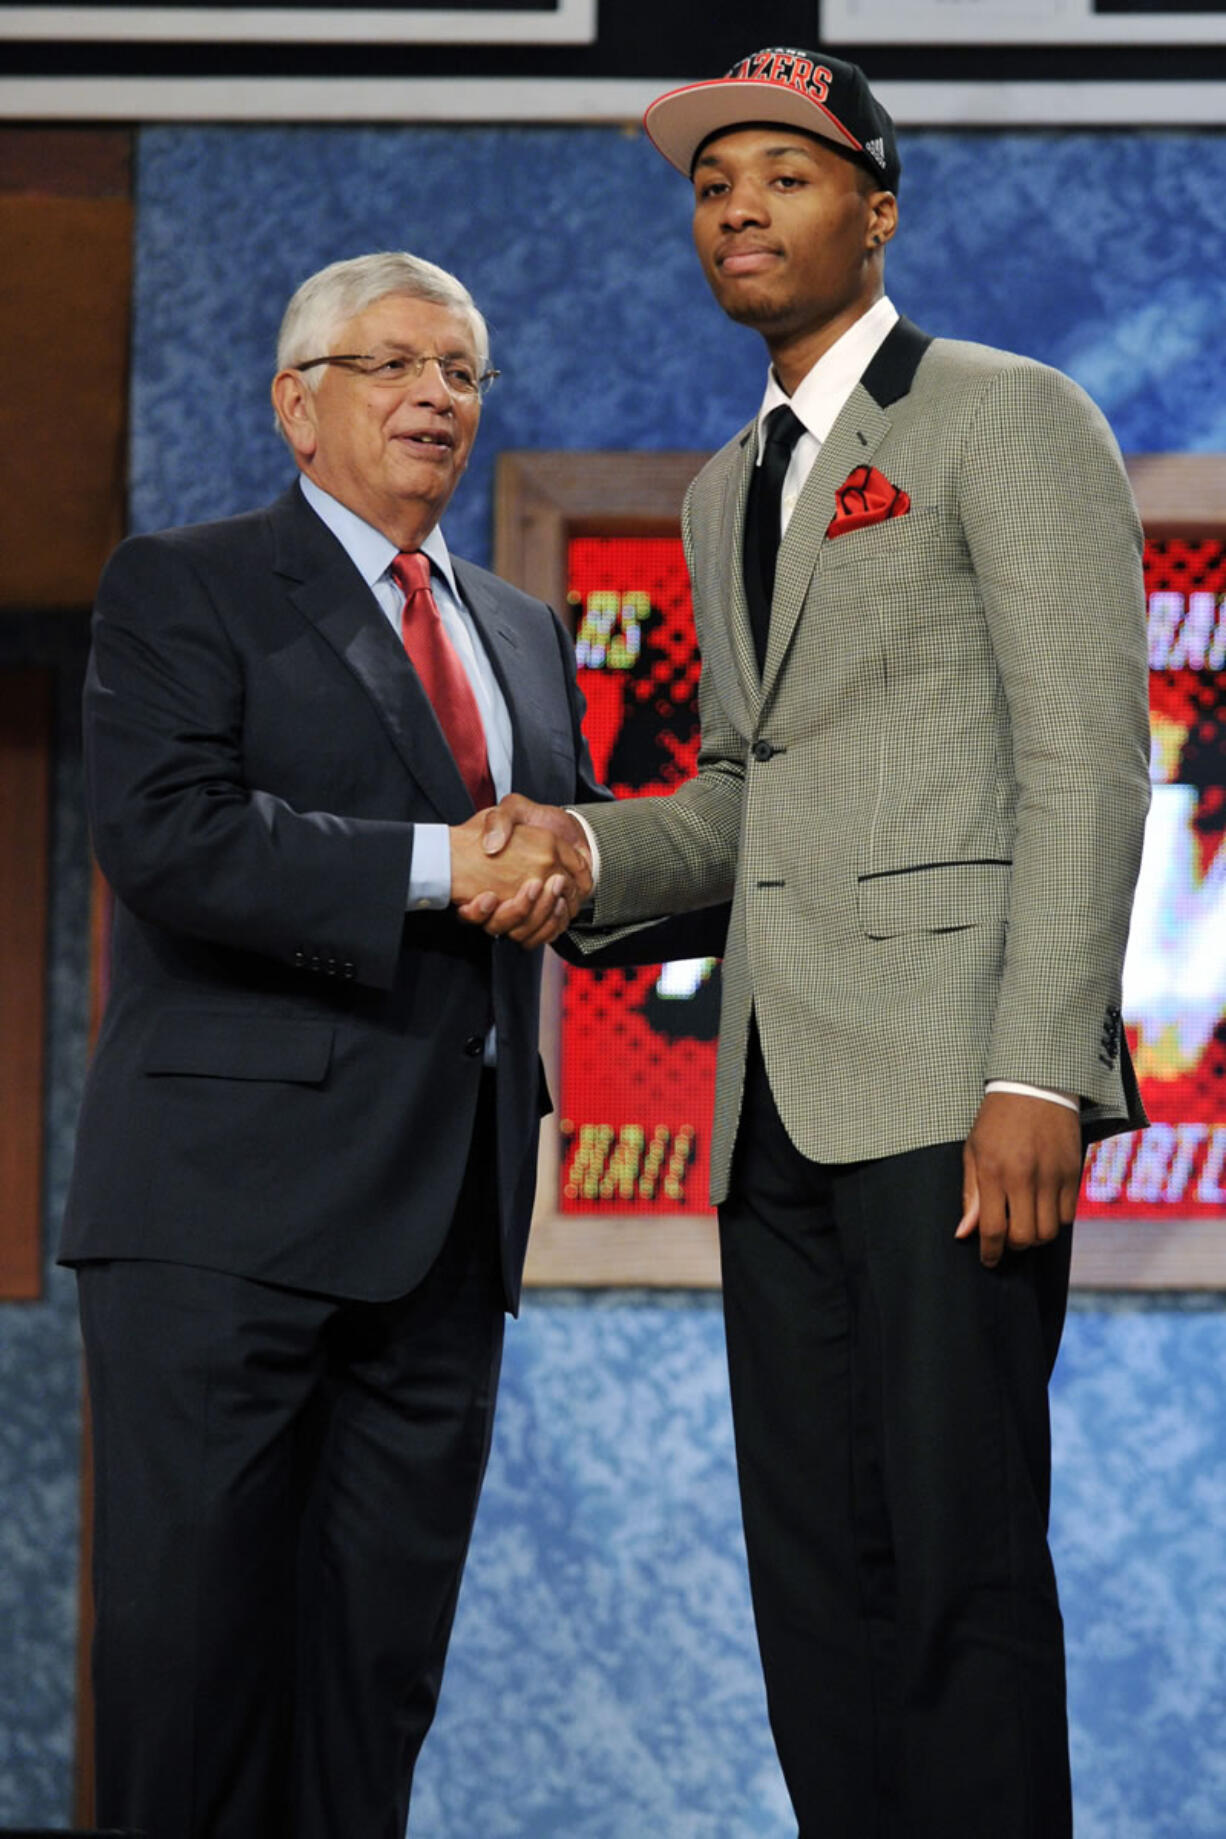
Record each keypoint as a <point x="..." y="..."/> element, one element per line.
<point x="1021" y="1173"/>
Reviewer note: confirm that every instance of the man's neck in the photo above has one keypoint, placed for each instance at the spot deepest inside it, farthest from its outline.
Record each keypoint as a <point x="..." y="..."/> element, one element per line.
<point x="794" y="355"/>
<point x="406" y="525"/>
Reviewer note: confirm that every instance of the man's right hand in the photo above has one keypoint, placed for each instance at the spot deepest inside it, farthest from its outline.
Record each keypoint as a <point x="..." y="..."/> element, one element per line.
<point x="530" y="883"/>
<point x="520" y="917"/>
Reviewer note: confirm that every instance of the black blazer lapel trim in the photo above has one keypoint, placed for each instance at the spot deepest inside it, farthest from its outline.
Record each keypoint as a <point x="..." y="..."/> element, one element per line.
<point x="328" y="590"/>
<point x="891" y="372"/>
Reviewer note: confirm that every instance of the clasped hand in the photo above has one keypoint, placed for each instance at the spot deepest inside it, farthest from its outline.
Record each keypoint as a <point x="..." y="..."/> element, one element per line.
<point x="520" y="870"/>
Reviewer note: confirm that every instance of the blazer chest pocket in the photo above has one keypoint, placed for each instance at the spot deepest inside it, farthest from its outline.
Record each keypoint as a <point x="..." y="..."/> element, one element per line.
<point x="239" y="1047"/>
<point x="933" y="897"/>
<point x="926" y="538"/>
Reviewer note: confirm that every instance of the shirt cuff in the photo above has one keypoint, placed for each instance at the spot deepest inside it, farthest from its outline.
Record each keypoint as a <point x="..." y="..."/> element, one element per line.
<point x="1056" y="1098"/>
<point x="592" y="845"/>
<point x="430" y="874"/>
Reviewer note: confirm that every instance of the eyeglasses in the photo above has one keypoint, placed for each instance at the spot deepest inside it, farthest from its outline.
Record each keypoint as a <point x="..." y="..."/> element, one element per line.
<point x="398" y="369"/>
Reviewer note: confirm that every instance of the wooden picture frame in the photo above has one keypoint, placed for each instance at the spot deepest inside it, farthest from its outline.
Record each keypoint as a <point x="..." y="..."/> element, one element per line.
<point x="542" y="501"/>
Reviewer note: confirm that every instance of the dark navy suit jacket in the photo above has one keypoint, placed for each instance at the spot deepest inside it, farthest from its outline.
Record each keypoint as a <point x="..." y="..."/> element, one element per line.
<point x="288" y="1069"/>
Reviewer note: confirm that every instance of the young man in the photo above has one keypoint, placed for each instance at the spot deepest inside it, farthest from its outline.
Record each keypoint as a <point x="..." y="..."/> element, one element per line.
<point x="917" y="589"/>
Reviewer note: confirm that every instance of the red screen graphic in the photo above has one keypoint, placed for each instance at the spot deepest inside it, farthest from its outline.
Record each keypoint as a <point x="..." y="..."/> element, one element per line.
<point x="638" y="1046"/>
<point x="1175" y="971"/>
<point x="638" y="1067"/>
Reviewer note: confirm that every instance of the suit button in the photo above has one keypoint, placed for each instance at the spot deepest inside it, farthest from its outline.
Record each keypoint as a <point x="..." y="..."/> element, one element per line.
<point x="330" y="968"/>
<point x="315" y="965"/>
<point x="348" y="969"/>
<point x="299" y="960"/>
<point x="474" y="1047"/>
<point x="762" y="750"/>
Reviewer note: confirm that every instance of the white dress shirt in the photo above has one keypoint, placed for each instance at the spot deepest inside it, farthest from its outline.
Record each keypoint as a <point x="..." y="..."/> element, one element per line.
<point x="822" y="394"/>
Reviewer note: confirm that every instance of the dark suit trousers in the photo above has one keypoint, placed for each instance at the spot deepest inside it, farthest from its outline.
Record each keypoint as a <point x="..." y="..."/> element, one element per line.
<point x="286" y="1484"/>
<point x="890" y="1404"/>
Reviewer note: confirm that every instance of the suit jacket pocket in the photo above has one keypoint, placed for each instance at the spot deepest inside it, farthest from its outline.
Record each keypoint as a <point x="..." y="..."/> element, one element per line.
<point x="933" y="897"/>
<point x="899" y="540"/>
<point x="215" y="1046"/>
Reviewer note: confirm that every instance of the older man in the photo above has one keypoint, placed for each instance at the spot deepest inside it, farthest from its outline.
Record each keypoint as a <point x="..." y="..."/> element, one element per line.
<point x="924" y="770"/>
<point x="306" y="1157"/>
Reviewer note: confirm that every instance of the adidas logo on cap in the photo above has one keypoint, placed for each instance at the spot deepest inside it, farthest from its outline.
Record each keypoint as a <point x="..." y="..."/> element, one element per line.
<point x="876" y="150"/>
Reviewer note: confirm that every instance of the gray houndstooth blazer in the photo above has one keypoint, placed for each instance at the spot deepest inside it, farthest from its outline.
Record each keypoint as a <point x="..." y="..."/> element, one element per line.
<point x="929" y="809"/>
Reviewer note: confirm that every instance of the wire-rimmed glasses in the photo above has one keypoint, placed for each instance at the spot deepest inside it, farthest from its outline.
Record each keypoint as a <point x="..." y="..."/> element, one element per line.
<point x="399" y="369"/>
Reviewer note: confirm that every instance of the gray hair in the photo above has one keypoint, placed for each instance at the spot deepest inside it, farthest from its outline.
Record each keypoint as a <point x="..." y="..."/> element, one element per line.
<point x="328" y="300"/>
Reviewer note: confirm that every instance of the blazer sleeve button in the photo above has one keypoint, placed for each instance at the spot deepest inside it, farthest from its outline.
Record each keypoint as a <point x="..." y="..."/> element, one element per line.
<point x="299" y="960"/>
<point x="348" y="969"/>
<point x="474" y="1046"/>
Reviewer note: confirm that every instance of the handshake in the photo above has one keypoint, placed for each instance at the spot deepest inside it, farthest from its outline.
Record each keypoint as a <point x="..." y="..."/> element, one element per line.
<point x="520" y="870"/>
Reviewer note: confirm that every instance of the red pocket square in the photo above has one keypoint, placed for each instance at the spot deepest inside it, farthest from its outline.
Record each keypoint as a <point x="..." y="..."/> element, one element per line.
<point x="866" y="497"/>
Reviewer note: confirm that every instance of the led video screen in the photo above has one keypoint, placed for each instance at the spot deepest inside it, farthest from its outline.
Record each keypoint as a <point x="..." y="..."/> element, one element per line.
<point x="637" y="1059"/>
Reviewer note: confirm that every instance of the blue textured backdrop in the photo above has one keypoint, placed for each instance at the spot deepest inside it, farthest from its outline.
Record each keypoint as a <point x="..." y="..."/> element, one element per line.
<point x="576" y="245"/>
<point x="603" y="1683"/>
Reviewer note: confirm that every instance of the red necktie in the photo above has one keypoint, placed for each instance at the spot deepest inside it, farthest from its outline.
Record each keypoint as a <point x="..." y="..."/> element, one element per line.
<point x="443" y="676"/>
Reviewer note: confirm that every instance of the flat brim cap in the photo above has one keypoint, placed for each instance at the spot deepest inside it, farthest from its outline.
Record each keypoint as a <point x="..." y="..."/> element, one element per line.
<point x="820" y="95"/>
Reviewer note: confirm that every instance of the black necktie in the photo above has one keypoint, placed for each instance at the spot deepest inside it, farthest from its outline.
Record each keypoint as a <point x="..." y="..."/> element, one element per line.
<point x="762" y="514"/>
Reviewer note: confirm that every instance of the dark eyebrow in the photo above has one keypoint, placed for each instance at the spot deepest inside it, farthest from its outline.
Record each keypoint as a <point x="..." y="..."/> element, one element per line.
<point x="769" y="153"/>
<point x="775" y="153"/>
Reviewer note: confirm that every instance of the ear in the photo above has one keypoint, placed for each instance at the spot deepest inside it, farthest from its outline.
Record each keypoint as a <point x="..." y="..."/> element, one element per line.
<point x="294" y="404"/>
<point x="882" y="218"/>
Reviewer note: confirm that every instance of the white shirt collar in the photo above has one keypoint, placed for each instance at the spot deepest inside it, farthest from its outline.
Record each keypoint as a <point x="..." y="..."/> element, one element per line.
<point x="820" y="395"/>
<point x="367" y="548"/>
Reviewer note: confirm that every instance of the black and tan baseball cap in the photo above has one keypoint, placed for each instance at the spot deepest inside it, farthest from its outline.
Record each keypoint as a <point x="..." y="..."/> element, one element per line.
<point x="803" y="89"/>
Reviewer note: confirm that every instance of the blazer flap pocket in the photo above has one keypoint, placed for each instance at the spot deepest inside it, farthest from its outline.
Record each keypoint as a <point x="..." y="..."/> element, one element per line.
<point x="933" y="897"/>
<point x="240" y="1047"/>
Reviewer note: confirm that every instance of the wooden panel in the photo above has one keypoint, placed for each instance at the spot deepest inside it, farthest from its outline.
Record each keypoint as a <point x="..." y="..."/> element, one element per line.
<point x="1180" y="494"/>
<point x="65" y="268"/>
<point x="1150" y="1255"/>
<point x="541" y="500"/>
<point x="25" y="741"/>
<point x="69" y="162"/>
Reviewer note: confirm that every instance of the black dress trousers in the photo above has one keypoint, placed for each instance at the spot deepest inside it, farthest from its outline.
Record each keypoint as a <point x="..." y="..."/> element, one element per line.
<point x="286" y="1485"/>
<point x="890" y="1405"/>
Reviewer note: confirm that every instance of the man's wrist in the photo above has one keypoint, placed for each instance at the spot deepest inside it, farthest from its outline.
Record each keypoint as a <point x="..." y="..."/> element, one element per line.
<point x="1068" y="1099"/>
<point x="430" y="875"/>
<point x="593" y="847"/>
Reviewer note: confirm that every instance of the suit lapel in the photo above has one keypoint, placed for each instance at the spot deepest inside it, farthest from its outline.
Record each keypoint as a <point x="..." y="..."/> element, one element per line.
<point x="854" y="439"/>
<point x="328" y="591"/>
<point x="523" y="651"/>
<point x="744" y="664"/>
<point x="520" y="689"/>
